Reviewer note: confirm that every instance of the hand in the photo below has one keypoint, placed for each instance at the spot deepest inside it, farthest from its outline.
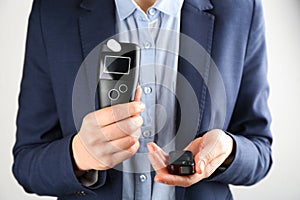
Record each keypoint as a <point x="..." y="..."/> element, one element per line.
<point x="108" y="136"/>
<point x="209" y="151"/>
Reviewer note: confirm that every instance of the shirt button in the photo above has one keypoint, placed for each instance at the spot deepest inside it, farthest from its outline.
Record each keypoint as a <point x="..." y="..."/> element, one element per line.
<point x="147" y="90"/>
<point x="143" y="178"/>
<point x="147" y="45"/>
<point x="151" y="11"/>
<point x="147" y="133"/>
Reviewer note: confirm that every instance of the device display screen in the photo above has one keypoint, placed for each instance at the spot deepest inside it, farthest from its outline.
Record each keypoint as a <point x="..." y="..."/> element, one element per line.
<point x="117" y="65"/>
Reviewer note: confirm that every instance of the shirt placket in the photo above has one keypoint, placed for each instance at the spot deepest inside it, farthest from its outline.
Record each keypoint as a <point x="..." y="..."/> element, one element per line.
<point x="147" y="82"/>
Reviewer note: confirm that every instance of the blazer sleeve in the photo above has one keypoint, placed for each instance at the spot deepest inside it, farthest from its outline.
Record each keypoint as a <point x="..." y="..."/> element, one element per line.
<point x="42" y="156"/>
<point x="250" y="122"/>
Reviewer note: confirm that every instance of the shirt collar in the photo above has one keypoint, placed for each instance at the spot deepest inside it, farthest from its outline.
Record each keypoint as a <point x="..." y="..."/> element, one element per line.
<point x="169" y="7"/>
<point x="125" y="8"/>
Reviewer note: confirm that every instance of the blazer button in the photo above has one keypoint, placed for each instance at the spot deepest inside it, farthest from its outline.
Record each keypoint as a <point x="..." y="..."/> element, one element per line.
<point x="80" y="193"/>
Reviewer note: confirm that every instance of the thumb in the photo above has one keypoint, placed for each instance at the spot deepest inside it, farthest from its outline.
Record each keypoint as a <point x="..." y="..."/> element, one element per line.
<point x="157" y="157"/>
<point x="200" y="158"/>
<point x="138" y="93"/>
<point x="205" y="153"/>
<point x="207" y="160"/>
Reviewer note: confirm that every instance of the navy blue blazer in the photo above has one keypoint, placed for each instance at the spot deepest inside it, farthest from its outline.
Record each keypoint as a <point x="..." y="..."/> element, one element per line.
<point x="62" y="33"/>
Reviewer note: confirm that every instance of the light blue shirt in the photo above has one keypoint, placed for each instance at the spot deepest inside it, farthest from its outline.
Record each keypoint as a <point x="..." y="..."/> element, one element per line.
<point x="157" y="34"/>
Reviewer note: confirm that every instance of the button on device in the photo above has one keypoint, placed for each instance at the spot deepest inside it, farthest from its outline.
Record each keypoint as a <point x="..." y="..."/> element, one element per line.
<point x="123" y="88"/>
<point x="143" y="178"/>
<point x="113" y="94"/>
<point x="152" y="11"/>
<point x="147" y="45"/>
<point x="147" y="90"/>
<point x="114" y="45"/>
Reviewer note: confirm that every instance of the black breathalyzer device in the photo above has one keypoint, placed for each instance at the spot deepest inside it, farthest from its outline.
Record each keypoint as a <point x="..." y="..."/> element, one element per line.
<point x="181" y="163"/>
<point x="119" y="72"/>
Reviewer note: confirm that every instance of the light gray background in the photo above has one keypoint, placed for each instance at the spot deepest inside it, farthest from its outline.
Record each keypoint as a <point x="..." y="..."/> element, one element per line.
<point x="283" y="36"/>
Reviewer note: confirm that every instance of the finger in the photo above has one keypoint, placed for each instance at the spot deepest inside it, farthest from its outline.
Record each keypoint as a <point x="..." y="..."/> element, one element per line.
<point x="212" y="152"/>
<point x="203" y="159"/>
<point x="118" y="112"/>
<point x="207" y="168"/>
<point x="213" y="165"/>
<point x="120" y="156"/>
<point x="157" y="158"/>
<point x="122" y="128"/>
<point x="157" y="163"/>
<point x="152" y="147"/>
<point x="138" y="93"/>
<point x="121" y="144"/>
<point x="199" y="164"/>
<point x="111" y="155"/>
<point x="209" y="146"/>
<point x="175" y="180"/>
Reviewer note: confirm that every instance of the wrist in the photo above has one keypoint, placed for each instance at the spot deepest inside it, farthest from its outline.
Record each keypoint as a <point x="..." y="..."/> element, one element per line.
<point x="227" y="162"/>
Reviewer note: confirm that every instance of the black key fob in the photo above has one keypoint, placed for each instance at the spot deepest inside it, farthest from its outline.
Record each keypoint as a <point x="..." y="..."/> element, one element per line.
<point x="181" y="163"/>
<point x="119" y="72"/>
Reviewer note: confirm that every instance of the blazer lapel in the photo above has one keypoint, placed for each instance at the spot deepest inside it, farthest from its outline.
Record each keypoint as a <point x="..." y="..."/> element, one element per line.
<point x="198" y="25"/>
<point x="96" y="24"/>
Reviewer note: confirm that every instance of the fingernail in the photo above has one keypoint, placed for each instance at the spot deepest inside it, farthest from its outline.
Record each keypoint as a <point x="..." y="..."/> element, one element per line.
<point x="150" y="147"/>
<point x="201" y="167"/>
<point x="142" y="106"/>
<point x="138" y="120"/>
<point x="137" y="134"/>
